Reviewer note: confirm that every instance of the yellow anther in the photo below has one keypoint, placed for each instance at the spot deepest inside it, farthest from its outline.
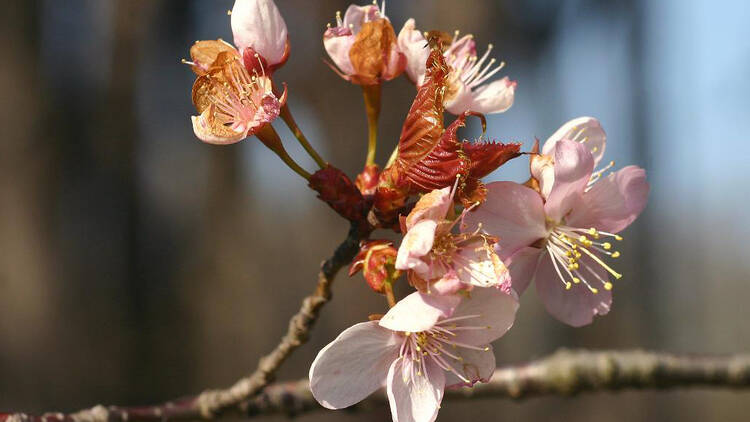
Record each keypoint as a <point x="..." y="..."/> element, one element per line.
<point x="618" y="237"/>
<point x="577" y="254"/>
<point x="576" y="280"/>
<point x="573" y="266"/>
<point x="615" y="254"/>
<point x="594" y="290"/>
<point x="592" y="231"/>
<point x="486" y="349"/>
<point x="229" y="13"/>
<point x="582" y="239"/>
<point x="568" y="253"/>
<point x="607" y="246"/>
<point x="568" y="286"/>
<point x="608" y="286"/>
<point x="594" y="149"/>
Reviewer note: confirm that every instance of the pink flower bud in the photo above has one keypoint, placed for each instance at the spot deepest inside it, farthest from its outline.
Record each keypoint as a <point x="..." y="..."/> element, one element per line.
<point x="257" y="24"/>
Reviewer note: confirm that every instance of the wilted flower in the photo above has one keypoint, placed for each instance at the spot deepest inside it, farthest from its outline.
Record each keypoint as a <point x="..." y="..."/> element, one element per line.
<point x="466" y="87"/>
<point x="258" y="28"/>
<point x="421" y="346"/>
<point x="233" y="104"/>
<point x="363" y="46"/>
<point x="440" y="260"/>
<point x="560" y="240"/>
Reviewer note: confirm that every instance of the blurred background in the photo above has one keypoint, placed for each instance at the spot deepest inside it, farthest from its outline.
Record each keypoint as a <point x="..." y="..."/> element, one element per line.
<point x="138" y="264"/>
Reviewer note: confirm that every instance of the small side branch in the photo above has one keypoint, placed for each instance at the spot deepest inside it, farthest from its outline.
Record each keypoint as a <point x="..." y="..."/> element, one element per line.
<point x="212" y="402"/>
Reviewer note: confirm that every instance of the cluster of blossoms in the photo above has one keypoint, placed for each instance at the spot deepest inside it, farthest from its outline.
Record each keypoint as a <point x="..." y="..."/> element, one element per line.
<point x="468" y="249"/>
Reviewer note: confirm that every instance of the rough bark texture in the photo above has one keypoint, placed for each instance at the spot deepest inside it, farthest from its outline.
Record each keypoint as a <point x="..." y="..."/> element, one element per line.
<point x="563" y="373"/>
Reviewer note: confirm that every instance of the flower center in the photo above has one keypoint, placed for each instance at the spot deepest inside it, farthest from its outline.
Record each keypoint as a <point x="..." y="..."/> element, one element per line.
<point x="439" y="345"/>
<point x="575" y="255"/>
<point x="237" y="95"/>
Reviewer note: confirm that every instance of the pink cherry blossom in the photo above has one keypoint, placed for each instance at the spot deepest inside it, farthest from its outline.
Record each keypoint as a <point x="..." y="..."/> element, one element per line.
<point x="467" y="89"/>
<point x="421" y="346"/>
<point x="258" y="25"/>
<point x="439" y="260"/>
<point x="561" y="243"/>
<point x="339" y="40"/>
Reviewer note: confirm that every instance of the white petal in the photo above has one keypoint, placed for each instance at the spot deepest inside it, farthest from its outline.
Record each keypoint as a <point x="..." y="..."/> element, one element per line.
<point x="495" y="97"/>
<point x="415" y="398"/>
<point x="419" y="312"/>
<point x="354" y="365"/>
<point x="476" y="366"/>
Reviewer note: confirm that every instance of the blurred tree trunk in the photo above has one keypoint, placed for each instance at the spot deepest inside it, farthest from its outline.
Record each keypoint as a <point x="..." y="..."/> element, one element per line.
<point x="28" y="285"/>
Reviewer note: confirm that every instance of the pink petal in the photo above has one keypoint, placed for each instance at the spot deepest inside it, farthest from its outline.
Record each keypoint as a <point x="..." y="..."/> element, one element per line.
<point x="462" y="50"/>
<point x="460" y="100"/>
<point x="577" y="306"/>
<point x="337" y="46"/>
<point x="354" y="365"/>
<point x="573" y="167"/>
<point x="513" y="213"/>
<point x="355" y="16"/>
<point x="522" y="266"/>
<point x="492" y="309"/>
<point x="419" y="312"/>
<point x="448" y="284"/>
<point x="478" y="265"/>
<point x="415" y="398"/>
<point x="586" y="130"/>
<point x="477" y="366"/>
<point x="494" y="97"/>
<point x="395" y="64"/>
<point x="542" y="168"/>
<point x="411" y="42"/>
<point x="259" y="25"/>
<point x="417" y="243"/>
<point x="432" y="206"/>
<point x="613" y="202"/>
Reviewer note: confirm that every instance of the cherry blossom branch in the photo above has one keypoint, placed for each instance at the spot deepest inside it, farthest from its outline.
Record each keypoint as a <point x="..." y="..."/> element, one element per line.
<point x="237" y="399"/>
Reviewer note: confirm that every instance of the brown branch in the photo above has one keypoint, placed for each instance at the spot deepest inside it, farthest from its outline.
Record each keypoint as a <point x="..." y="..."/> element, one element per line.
<point x="237" y="398"/>
<point x="564" y="373"/>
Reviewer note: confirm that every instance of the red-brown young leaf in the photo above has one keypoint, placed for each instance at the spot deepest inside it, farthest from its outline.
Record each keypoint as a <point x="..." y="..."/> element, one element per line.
<point x="338" y="191"/>
<point x="440" y="167"/>
<point x="424" y="122"/>
<point x="486" y="157"/>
